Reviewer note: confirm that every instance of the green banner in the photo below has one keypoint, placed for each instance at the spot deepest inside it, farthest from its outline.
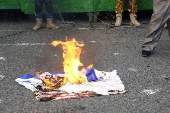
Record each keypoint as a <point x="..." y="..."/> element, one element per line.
<point x="60" y="6"/>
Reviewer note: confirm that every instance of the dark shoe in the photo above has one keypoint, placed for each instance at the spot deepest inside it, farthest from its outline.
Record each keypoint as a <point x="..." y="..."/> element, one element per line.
<point x="146" y="53"/>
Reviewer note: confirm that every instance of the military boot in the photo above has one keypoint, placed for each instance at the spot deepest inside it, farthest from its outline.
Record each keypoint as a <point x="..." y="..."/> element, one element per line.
<point x="38" y="24"/>
<point x="133" y="20"/>
<point x="118" y="19"/>
<point x="50" y="24"/>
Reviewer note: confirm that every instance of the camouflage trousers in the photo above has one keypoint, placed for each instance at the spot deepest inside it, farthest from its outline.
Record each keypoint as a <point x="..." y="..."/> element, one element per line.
<point x="132" y="6"/>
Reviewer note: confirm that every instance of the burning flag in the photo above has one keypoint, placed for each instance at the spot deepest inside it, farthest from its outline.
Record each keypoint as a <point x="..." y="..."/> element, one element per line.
<point x="72" y="83"/>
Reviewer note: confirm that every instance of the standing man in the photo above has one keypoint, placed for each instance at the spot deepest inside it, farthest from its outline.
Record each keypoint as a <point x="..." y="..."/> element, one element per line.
<point x="49" y="14"/>
<point x="161" y="14"/>
<point x="132" y="10"/>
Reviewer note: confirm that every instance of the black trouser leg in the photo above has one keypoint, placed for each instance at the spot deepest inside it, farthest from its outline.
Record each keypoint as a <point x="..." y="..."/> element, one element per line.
<point x="49" y="9"/>
<point x="38" y="9"/>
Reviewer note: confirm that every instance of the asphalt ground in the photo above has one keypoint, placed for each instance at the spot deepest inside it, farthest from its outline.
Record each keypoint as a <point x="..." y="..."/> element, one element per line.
<point x="24" y="51"/>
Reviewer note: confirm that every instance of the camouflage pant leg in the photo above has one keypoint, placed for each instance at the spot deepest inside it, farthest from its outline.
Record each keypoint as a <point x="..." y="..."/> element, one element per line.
<point x="119" y="6"/>
<point x="132" y="6"/>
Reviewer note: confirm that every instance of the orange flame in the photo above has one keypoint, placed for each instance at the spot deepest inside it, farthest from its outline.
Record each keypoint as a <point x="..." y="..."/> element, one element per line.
<point x="72" y="50"/>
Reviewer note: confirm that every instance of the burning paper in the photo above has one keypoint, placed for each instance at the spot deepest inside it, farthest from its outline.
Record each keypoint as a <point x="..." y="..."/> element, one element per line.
<point x="72" y="83"/>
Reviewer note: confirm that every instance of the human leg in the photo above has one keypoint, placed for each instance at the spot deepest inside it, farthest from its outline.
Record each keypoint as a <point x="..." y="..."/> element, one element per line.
<point x="161" y="14"/>
<point x="132" y="10"/>
<point x="119" y="11"/>
<point x="38" y="14"/>
<point x="49" y="15"/>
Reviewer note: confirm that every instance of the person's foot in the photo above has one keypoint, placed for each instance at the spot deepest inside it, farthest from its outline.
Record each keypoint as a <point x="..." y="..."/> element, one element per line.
<point x="146" y="53"/>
